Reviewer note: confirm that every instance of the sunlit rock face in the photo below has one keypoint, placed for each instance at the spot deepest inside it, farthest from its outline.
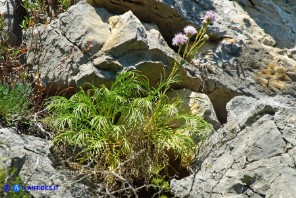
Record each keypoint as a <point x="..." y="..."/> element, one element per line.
<point x="251" y="52"/>
<point x="250" y="41"/>
<point x="252" y="155"/>
<point x="247" y="71"/>
<point x="88" y="44"/>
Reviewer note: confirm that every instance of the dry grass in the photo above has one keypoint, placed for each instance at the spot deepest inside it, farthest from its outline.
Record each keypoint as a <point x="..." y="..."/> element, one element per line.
<point x="273" y="76"/>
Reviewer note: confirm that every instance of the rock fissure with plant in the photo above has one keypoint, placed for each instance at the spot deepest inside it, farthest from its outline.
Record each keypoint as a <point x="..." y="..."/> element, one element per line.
<point x="132" y="123"/>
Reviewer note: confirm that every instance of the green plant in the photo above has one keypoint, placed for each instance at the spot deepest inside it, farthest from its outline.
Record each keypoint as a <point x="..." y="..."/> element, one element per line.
<point x="2" y="22"/>
<point x="36" y="13"/>
<point x="16" y="72"/>
<point x="17" y="180"/>
<point x="130" y="130"/>
<point x="25" y="23"/>
<point x="182" y="40"/>
<point x="3" y="32"/>
<point x="111" y="126"/>
<point x="159" y="181"/>
<point x="65" y="4"/>
<point x="42" y="12"/>
<point x="14" y="102"/>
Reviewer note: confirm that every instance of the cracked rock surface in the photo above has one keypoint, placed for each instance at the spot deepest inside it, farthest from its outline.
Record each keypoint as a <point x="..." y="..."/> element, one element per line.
<point x="197" y="104"/>
<point x="270" y="22"/>
<point x="251" y="49"/>
<point x="88" y="44"/>
<point x="31" y="158"/>
<point x="253" y="155"/>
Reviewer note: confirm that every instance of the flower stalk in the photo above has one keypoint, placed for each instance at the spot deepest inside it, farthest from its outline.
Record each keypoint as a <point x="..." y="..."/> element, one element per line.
<point x="183" y="39"/>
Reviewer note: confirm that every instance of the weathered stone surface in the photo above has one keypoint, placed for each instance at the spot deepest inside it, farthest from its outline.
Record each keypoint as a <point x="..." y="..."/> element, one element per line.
<point x="88" y="44"/>
<point x="249" y="69"/>
<point x="245" y="56"/>
<point x="251" y="52"/>
<point x="270" y="22"/>
<point x="253" y="155"/>
<point x="277" y="18"/>
<point x="198" y="104"/>
<point x="67" y="50"/>
<point x="31" y="157"/>
<point x="235" y="62"/>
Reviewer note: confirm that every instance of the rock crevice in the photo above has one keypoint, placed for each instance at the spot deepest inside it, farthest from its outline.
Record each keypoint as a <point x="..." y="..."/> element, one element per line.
<point x="257" y="151"/>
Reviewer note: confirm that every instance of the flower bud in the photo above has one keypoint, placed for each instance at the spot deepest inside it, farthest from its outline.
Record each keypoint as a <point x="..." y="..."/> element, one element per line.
<point x="209" y="17"/>
<point x="206" y="37"/>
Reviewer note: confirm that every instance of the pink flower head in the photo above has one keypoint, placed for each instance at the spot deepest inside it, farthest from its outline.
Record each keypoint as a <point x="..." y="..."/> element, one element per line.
<point x="180" y="39"/>
<point x="190" y="30"/>
<point x="209" y="17"/>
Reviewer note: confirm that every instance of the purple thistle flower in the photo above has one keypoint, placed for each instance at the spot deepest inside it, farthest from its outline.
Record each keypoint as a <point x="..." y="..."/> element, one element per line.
<point x="180" y="39"/>
<point x="190" y="30"/>
<point x="209" y="17"/>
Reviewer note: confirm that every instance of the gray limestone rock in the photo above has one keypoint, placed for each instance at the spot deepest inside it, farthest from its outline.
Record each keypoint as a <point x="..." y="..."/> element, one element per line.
<point x="247" y="39"/>
<point x="252" y="155"/>
<point x="88" y="44"/>
<point x="198" y="104"/>
<point x="32" y="158"/>
<point x="269" y="22"/>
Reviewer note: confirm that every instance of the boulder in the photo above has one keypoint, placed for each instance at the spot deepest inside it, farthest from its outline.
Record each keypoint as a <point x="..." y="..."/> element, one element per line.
<point x="34" y="162"/>
<point x="269" y="22"/>
<point x="197" y="104"/>
<point x="251" y="46"/>
<point x="253" y="155"/>
<point x="247" y="70"/>
<point x="88" y="44"/>
<point x="242" y="58"/>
